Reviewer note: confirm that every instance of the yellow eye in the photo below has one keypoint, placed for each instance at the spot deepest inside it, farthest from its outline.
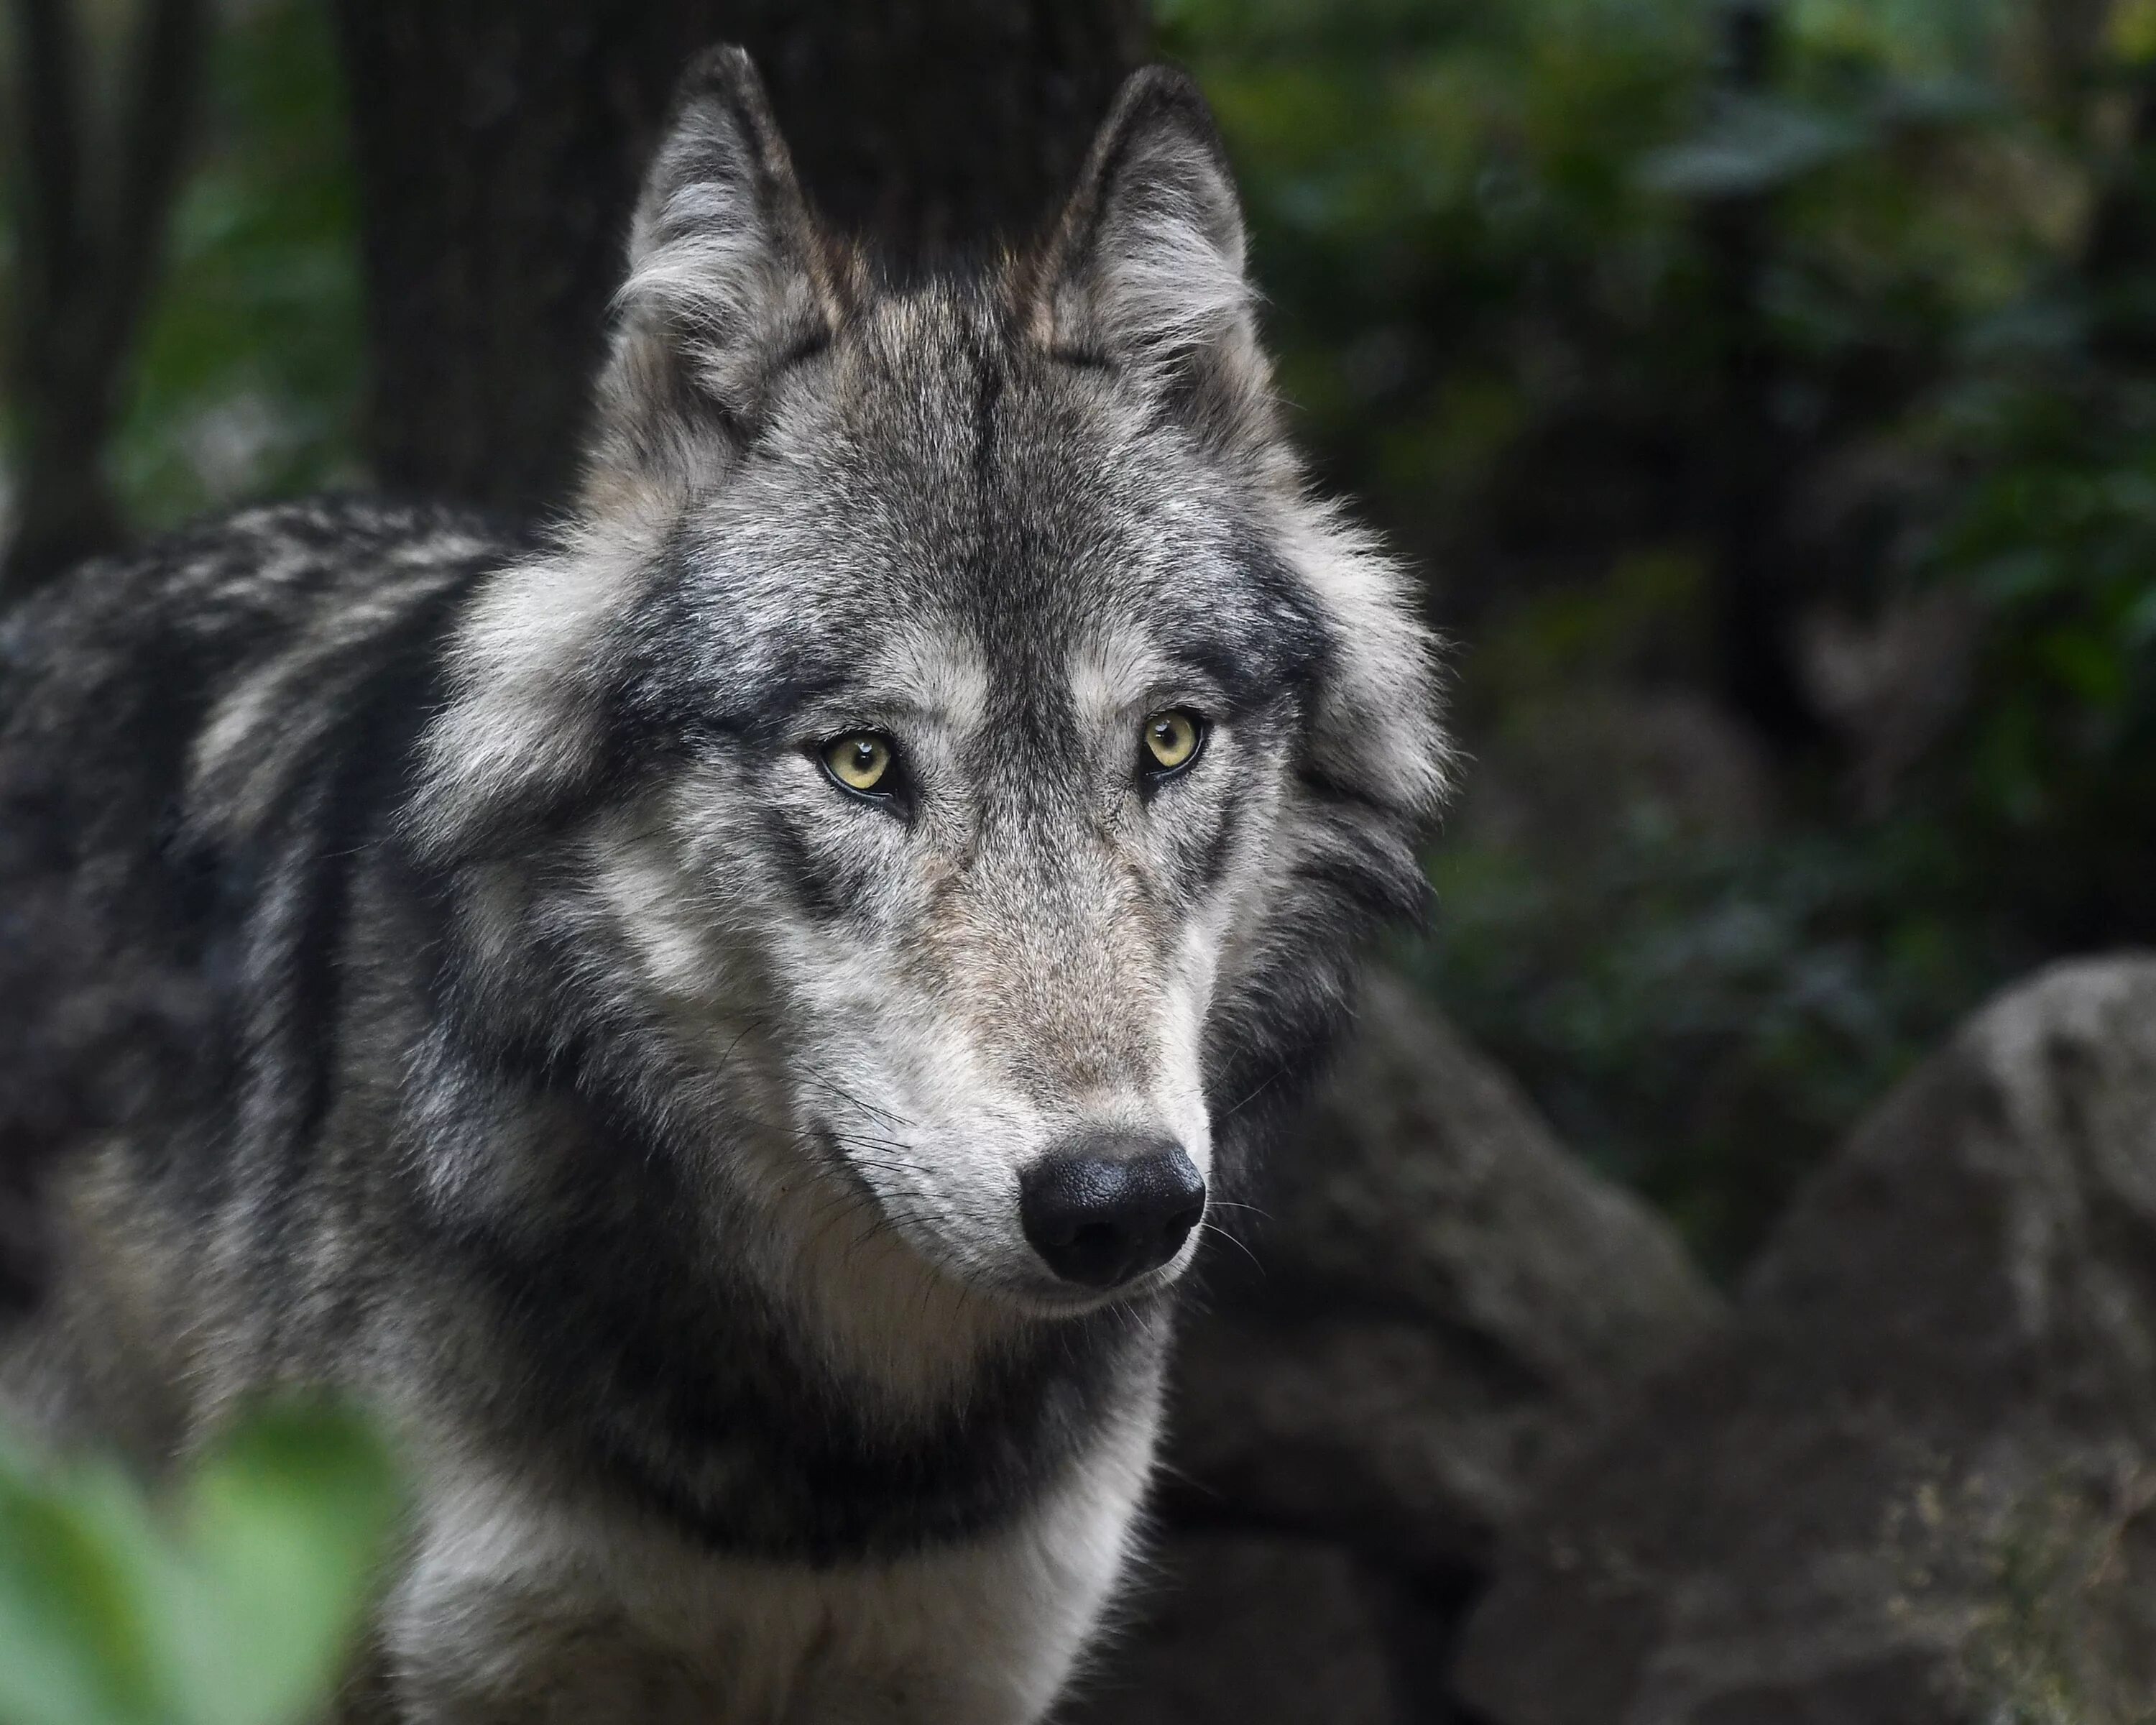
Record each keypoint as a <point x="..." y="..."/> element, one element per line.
<point x="1171" y="740"/>
<point x="860" y="761"/>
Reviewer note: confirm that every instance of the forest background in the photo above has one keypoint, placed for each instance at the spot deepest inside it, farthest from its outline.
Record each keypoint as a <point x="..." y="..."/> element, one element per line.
<point x="1765" y="389"/>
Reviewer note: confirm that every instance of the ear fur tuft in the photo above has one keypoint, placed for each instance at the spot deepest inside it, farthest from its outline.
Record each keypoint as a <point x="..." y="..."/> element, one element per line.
<point x="728" y="274"/>
<point x="1145" y="268"/>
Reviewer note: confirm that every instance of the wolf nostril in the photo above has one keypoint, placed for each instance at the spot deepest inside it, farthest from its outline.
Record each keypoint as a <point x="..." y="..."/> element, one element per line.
<point x="1110" y="1206"/>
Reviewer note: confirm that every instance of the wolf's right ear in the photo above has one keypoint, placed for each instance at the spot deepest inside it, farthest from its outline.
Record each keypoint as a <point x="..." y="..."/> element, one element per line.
<point x="729" y="275"/>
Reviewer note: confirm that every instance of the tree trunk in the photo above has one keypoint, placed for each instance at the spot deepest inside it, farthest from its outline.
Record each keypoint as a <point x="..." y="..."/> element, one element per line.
<point x="1755" y="590"/>
<point x="94" y="215"/>
<point x="499" y="143"/>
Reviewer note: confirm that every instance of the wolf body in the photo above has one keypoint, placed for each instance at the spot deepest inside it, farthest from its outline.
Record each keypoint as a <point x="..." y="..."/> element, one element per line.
<point x="726" y="1017"/>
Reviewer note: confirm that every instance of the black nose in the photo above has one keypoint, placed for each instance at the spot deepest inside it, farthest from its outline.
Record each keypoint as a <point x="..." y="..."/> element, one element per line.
<point x="1110" y="1206"/>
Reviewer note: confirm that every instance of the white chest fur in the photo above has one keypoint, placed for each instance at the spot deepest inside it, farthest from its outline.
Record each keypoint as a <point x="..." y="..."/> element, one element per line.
<point x="521" y="1608"/>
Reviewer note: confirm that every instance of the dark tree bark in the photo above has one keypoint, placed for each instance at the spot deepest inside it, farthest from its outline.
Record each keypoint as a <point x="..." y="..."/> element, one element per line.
<point x="1756" y="590"/>
<point x="2118" y="259"/>
<point x="94" y="216"/>
<point x="499" y="143"/>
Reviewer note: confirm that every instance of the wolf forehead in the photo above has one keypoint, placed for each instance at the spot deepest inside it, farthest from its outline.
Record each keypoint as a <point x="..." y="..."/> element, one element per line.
<point x="933" y="486"/>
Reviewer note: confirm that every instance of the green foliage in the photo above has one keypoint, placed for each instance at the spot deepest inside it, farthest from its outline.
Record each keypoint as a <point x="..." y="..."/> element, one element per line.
<point x="1703" y="1019"/>
<point x="1445" y="217"/>
<point x="251" y="368"/>
<point x="2054" y="773"/>
<point x="234" y="1604"/>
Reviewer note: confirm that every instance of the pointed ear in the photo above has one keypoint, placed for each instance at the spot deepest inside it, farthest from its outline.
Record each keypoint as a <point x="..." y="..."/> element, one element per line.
<point x="1145" y="269"/>
<point x="729" y="277"/>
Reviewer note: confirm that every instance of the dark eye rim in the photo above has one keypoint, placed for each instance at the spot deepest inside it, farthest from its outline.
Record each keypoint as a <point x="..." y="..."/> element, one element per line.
<point x="1150" y="770"/>
<point x="889" y="790"/>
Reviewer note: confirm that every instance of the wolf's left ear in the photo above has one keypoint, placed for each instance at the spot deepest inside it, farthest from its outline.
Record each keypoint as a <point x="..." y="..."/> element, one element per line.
<point x="1145" y="269"/>
<point x="729" y="275"/>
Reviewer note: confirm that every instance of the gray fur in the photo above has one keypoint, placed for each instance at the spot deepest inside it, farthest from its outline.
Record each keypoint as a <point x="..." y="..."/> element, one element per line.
<point x="629" y="1111"/>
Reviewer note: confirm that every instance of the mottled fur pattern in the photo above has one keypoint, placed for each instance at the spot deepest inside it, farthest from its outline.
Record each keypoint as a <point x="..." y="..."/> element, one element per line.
<point x="629" y="1110"/>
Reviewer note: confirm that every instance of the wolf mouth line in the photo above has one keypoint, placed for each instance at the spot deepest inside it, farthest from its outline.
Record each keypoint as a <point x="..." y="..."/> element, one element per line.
<point x="731" y="1020"/>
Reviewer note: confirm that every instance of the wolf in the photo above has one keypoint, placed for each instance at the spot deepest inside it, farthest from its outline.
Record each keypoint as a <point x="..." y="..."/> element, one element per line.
<point x="728" y="1016"/>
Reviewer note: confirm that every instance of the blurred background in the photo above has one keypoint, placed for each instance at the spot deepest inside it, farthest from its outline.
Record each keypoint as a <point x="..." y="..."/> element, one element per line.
<point x="1766" y="390"/>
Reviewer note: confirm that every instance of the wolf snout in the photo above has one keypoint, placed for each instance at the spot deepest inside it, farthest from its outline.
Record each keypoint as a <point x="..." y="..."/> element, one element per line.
<point x="1110" y="1206"/>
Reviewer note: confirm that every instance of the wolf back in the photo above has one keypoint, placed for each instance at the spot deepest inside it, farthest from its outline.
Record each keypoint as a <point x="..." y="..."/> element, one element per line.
<point x="727" y="1015"/>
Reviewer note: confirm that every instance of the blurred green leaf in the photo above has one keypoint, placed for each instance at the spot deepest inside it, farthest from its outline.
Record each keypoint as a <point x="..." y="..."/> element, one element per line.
<point x="2133" y="30"/>
<point x="237" y="1607"/>
<point x="83" y="1576"/>
<point x="285" y="1524"/>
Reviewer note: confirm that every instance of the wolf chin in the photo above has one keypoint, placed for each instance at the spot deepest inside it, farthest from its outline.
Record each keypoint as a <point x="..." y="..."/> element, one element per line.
<point x="727" y="1023"/>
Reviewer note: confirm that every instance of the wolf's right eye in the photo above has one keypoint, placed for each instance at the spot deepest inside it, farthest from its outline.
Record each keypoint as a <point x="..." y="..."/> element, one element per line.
<point x="860" y="761"/>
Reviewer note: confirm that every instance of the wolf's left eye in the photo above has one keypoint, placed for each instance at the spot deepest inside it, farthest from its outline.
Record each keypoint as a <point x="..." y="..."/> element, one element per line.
<point x="1172" y="740"/>
<point x="860" y="761"/>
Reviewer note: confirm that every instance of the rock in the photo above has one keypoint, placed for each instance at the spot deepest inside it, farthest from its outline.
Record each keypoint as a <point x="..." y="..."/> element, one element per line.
<point x="1442" y="1299"/>
<point x="1914" y="1484"/>
<point x="1234" y="1630"/>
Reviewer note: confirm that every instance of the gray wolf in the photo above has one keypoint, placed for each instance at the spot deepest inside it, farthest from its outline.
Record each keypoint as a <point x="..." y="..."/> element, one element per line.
<point x="728" y="1019"/>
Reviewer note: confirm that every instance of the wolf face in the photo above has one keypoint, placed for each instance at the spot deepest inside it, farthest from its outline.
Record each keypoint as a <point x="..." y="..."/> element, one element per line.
<point x="937" y="780"/>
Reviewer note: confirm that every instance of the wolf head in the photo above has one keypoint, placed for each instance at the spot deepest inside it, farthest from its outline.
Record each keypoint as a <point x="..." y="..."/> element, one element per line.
<point x="937" y="779"/>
